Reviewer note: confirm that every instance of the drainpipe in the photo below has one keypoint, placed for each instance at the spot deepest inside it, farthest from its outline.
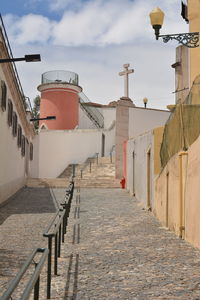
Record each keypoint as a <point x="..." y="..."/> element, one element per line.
<point x="181" y="195"/>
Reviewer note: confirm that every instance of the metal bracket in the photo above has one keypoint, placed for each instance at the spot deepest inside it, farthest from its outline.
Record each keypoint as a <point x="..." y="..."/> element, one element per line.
<point x="189" y="40"/>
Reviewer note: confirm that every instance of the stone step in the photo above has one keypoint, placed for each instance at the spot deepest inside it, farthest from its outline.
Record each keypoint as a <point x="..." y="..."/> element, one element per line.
<point x="103" y="164"/>
<point x="47" y="182"/>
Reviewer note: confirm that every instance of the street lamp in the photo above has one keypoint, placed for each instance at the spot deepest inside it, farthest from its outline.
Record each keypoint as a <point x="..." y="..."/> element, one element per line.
<point x="189" y="40"/>
<point x="40" y="119"/>
<point x="145" y="100"/>
<point x="27" y="58"/>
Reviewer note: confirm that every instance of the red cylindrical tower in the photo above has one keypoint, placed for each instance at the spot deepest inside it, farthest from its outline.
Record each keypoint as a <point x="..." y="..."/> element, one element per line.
<point x="59" y="98"/>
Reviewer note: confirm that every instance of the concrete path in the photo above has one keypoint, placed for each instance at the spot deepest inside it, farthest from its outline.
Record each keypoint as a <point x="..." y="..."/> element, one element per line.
<point x="116" y="250"/>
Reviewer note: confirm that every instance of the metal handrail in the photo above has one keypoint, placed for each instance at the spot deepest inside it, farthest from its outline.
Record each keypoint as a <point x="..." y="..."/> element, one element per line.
<point x="89" y="162"/>
<point x="57" y="229"/>
<point x="111" y="152"/>
<point x="93" y="113"/>
<point x="34" y="280"/>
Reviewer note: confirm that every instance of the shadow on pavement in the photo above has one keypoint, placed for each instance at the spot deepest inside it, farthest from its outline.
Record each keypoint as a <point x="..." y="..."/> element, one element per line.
<point x="71" y="287"/>
<point x="28" y="201"/>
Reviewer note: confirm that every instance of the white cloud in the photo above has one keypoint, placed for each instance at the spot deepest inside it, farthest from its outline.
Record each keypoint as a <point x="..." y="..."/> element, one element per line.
<point x="28" y="29"/>
<point x="95" y="40"/>
<point x="95" y="23"/>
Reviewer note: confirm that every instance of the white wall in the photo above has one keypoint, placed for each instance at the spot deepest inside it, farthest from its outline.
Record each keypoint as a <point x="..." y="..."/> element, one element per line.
<point x="109" y="114"/>
<point x="34" y="164"/>
<point x="140" y="146"/>
<point x="12" y="164"/>
<point x="142" y="120"/>
<point x="84" y="120"/>
<point x="59" y="148"/>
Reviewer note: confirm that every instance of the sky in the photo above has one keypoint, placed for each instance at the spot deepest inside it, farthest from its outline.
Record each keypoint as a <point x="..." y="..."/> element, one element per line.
<point x="94" y="38"/>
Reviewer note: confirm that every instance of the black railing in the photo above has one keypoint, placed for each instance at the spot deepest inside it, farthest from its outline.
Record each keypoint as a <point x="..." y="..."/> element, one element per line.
<point x="34" y="282"/>
<point x="93" y="113"/>
<point x="57" y="230"/>
<point x="89" y="162"/>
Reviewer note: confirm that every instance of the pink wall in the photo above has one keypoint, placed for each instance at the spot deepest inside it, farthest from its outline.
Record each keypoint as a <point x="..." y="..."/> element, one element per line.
<point x="62" y="103"/>
<point x="125" y="143"/>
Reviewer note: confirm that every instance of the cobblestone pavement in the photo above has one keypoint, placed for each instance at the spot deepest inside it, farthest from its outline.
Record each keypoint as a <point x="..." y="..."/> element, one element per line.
<point x="114" y="250"/>
<point x="117" y="250"/>
<point x="23" y="219"/>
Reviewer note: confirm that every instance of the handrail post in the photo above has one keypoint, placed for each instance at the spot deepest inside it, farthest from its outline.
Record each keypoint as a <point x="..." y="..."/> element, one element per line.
<point x="81" y="173"/>
<point x="63" y="230"/>
<point x="56" y="255"/>
<point x="90" y="166"/>
<point x="59" y="241"/>
<point x="49" y="268"/>
<point x="97" y="158"/>
<point x="37" y="289"/>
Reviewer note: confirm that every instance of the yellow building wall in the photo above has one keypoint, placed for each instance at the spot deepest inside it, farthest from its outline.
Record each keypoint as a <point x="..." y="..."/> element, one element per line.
<point x="167" y="195"/>
<point x="182" y="211"/>
<point x="194" y="26"/>
<point x="192" y="195"/>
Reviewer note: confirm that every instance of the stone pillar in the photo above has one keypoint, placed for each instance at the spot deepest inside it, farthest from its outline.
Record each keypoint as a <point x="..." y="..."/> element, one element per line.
<point x="181" y="67"/>
<point x="122" y="132"/>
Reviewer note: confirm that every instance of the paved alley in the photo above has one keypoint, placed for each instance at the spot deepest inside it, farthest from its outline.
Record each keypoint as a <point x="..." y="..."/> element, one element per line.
<point x="121" y="252"/>
<point x="115" y="250"/>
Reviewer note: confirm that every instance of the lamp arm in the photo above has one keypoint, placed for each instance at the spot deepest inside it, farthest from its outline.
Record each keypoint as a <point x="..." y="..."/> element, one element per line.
<point x="189" y="40"/>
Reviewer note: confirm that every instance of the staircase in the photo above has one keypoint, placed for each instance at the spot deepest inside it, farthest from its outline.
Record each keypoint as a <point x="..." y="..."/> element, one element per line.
<point x="102" y="175"/>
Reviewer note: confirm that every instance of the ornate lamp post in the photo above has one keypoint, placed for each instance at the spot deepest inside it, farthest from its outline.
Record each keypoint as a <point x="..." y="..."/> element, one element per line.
<point x="145" y="100"/>
<point x="190" y="39"/>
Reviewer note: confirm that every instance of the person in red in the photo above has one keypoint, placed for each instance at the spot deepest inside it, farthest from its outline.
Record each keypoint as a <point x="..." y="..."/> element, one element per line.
<point x="123" y="182"/>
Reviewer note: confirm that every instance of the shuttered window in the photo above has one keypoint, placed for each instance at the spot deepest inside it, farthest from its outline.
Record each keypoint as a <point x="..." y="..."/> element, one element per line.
<point x="14" y="124"/>
<point x="10" y="112"/>
<point x="31" y="151"/>
<point x="23" y="146"/>
<point x="3" y="95"/>
<point x="19" y="136"/>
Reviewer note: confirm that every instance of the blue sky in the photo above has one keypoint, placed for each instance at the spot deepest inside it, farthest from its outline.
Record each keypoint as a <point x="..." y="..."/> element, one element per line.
<point x="94" y="38"/>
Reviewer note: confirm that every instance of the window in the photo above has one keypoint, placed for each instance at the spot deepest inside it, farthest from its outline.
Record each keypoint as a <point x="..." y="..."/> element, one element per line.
<point x="23" y="146"/>
<point x="31" y="151"/>
<point x="14" y="124"/>
<point x="19" y="136"/>
<point x="10" y="112"/>
<point x="3" y="95"/>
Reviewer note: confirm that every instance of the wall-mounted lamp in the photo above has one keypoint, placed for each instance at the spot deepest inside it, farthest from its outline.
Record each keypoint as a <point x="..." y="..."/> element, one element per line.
<point x="46" y="118"/>
<point x="190" y="39"/>
<point x="27" y="58"/>
<point x="145" y="100"/>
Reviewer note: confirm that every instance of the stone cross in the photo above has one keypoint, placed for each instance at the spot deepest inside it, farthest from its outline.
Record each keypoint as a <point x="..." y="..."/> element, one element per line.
<point x="125" y="73"/>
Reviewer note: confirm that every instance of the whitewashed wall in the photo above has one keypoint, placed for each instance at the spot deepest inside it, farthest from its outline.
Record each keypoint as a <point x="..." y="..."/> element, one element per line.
<point x="140" y="146"/>
<point x="142" y="120"/>
<point x="12" y="164"/>
<point x="84" y="120"/>
<point x="34" y="164"/>
<point x="59" y="148"/>
<point x="109" y="114"/>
